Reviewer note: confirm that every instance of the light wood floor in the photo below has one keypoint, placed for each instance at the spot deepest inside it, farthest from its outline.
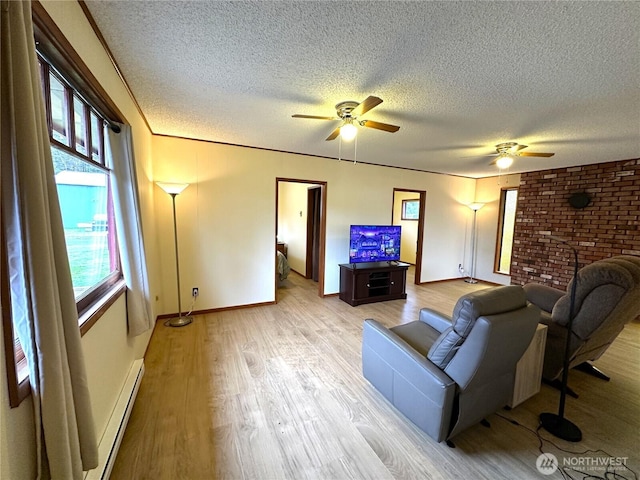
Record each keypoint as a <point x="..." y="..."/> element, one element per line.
<point x="277" y="392"/>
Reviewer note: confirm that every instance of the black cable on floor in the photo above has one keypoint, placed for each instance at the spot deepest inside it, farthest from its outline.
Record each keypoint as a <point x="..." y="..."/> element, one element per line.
<point x="568" y="472"/>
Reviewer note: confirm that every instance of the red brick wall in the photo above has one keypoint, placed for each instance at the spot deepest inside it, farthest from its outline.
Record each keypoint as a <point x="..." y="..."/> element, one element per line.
<point x="607" y="227"/>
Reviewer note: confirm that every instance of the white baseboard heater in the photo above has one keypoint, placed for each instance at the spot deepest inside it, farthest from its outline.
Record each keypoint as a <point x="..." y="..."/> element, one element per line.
<point x="110" y="442"/>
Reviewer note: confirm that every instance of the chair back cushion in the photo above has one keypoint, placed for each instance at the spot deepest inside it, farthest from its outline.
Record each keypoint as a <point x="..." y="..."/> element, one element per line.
<point x="601" y="286"/>
<point x="469" y="308"/>
<point x="484" y="366"/>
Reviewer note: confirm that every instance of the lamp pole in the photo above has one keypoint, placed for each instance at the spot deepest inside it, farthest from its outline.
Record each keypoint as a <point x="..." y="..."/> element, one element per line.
<point x="475" y="207"/>
<point x="180" y="321"/>
<point x="174" y="189"/>
<point x="552" y="423"/>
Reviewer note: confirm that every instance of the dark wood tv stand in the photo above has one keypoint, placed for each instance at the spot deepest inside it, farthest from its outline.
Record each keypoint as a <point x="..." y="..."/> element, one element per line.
<point x="373" y="282"/>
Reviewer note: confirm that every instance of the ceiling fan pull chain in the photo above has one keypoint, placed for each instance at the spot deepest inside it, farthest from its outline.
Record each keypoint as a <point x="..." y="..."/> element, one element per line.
<point x="340" y="149"/>
<point x="355" y="151"/>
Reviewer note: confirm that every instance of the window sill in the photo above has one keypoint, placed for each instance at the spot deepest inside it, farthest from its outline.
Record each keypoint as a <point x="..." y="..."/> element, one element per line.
<point x="93" y="314"/>
<point x="502" y="273"/>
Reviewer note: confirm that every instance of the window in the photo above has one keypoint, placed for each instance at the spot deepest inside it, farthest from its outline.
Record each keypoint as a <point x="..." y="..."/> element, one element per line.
<point x="506" y="226"/>
<point x="410" y="209"/>
<point x="75" y="118"/>
<point x="84" y="190"/>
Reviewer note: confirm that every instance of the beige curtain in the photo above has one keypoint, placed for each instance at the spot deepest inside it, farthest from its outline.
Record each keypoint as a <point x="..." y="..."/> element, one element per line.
<point x="42" y="297"/>
<point x="126" y="200"/>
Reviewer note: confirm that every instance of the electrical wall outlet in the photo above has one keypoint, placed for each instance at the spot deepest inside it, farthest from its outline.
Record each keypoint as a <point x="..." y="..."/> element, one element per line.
<point x="195" y="292"/>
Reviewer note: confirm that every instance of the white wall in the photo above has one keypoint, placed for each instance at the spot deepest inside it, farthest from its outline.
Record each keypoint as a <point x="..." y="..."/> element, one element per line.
<point x="107" y="362"/>
<point x="227" y="218"/>
<point x="409" y="238"/>
<point x="292" y="219"/>
<point x="488" y="192"/>
<point x="108" y="351"/>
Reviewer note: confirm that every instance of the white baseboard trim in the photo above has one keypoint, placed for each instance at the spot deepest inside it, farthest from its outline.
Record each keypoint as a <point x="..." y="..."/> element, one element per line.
<point x="112" y="437"/>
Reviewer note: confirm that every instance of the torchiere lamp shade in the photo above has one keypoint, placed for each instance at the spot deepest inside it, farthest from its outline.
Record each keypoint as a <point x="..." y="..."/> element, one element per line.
<point x="172" y="188"/>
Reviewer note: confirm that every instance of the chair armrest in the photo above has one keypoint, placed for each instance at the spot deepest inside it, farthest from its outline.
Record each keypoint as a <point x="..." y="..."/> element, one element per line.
<point x="400" y="356"/>
<point x="414" y="385"/>
<point x="543" y="296"/>
<point x="436" y="320"/>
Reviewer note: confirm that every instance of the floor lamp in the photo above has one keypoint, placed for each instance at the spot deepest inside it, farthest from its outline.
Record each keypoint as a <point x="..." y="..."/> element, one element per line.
<point x="174" y="189"/>
<point x="552" y="423"/>
<point x="475" y="207"/>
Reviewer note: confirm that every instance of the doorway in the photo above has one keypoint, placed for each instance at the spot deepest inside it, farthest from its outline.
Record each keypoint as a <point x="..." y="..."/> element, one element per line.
<point x="301" y="227"/>
<point x="408" y="211"/>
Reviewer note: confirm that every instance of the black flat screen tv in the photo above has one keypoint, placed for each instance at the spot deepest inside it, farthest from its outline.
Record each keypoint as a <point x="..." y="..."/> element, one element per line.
<point x="374" y="243"/>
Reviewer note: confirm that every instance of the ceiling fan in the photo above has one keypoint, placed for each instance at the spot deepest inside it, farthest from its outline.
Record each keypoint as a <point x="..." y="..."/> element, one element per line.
<point x="349" y="112"/>
<point x="507" y="151"/>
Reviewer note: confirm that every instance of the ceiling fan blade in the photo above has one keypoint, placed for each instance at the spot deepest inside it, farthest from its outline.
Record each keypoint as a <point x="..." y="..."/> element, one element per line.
<point x="334" y="134"/>
<point x="519" y="147"/>
<point x="365" y="106"/>
<point x="380" y="126"/>
<point x="314" y="117"/>
<point x="481" y="155"/>
<point x="535" y="154"/>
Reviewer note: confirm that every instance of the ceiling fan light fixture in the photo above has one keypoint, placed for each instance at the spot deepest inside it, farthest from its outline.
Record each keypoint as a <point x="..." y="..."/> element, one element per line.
<point x="504" y="161"/>
<point x="350" y="112"/>
<point x="348" y="131"/>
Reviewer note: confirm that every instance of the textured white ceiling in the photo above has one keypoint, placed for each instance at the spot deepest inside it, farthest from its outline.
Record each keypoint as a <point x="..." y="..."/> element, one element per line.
<point x="458" y="77"/>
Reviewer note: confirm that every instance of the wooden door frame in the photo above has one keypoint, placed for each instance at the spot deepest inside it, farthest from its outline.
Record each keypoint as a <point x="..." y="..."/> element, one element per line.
<point x="310" y="224"/>
<point x="423" y="201"/>
<point x="323" y="229"/>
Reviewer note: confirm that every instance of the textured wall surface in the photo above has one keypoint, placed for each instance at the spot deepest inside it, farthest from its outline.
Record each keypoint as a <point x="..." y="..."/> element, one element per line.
<point x="607" y="227"/>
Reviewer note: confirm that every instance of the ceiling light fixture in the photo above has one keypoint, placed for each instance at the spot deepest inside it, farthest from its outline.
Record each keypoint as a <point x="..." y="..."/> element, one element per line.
<point x="348" y="131"/>
<point x="504" y="161"/>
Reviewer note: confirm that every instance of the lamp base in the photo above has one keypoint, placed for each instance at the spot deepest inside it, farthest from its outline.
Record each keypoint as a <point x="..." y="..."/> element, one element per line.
<point x="470" y="280"/>
<point x="180" y="321"/>
<point x="560" y="427"/>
